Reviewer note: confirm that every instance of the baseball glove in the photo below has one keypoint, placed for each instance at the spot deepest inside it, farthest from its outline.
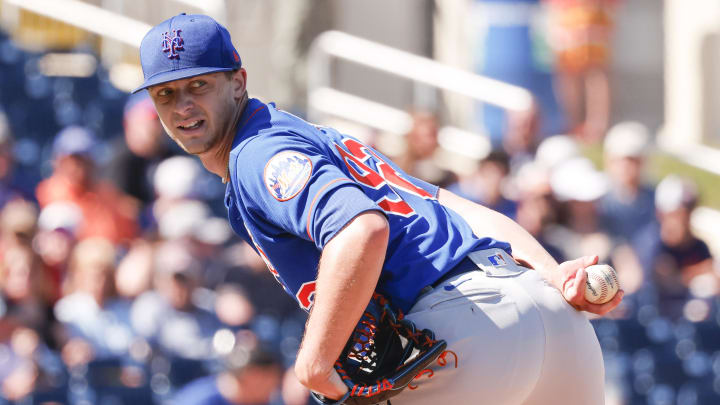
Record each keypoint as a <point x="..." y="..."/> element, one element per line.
<point x="383" y="355"/>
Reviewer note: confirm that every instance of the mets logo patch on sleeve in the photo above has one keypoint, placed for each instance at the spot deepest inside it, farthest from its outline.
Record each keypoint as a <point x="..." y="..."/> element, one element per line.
<point x="286" y="174"/>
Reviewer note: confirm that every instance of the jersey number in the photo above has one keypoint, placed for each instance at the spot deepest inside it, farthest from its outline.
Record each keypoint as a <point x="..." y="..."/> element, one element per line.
<point x="306" y="295"/>
<point x="356" y="157"/>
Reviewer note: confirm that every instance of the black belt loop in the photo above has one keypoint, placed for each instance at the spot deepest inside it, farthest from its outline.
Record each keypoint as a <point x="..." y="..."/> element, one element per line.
<point x="464" y="266"/>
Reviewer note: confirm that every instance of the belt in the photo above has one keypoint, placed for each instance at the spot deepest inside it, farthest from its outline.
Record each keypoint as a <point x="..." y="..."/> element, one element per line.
<point x="464" y="266"/>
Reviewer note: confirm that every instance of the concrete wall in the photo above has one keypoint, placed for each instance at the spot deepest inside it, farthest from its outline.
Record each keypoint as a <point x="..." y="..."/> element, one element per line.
<point x="692" y="44"/>
<point x="637" y="67"/>
<point x="402" y="24"/>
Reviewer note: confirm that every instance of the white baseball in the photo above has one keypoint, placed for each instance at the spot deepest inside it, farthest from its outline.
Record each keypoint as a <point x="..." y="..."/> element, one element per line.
<point x="602" y="283"/>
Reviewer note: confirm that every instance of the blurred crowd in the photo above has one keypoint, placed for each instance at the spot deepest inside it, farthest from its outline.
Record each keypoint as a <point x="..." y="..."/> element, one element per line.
<point x="121" y="281"/>
<point x="670" y="315"/>
<point x="574" y="208"/>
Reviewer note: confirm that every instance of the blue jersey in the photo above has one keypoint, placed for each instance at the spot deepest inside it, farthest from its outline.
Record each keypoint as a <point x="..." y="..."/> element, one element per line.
<point x="294" y="185"/>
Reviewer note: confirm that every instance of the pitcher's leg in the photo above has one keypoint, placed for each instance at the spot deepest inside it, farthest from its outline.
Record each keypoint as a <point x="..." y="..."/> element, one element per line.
<point x="573" y="371"/>
<point x="499" y="343"/>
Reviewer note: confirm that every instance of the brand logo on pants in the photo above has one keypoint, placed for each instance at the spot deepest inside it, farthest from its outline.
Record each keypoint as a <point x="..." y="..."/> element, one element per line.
<point x="497" y="260"/>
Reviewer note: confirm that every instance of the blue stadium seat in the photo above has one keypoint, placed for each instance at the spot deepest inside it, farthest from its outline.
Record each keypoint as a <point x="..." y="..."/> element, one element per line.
<point x="668" y="366"/>
<point x="708" y="335"/>
<point x="706" y="390"/>
<point x="182" y="371"/>
<point x="697" y="364"/>
<point x="661" y="394"/>
<point x="632" y="335"/>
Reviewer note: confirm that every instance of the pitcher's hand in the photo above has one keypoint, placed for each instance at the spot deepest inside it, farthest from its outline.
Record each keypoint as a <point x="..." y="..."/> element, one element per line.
<point x="570" y="278"/>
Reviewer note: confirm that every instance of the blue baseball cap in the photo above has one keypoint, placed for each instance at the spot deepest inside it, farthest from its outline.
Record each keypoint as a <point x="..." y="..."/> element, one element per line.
<point x="74" y="140"/>
<point x="186" y="46"/>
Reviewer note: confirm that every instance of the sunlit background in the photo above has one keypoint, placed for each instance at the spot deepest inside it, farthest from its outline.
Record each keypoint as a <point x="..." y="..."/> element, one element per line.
<point x="595" y="124"/>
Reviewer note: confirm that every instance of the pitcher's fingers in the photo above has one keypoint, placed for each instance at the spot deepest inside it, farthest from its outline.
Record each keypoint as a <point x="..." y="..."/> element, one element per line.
<point x="576" y="291"/>
<point x="590" y="260"/>
<point x="602" y="309"/>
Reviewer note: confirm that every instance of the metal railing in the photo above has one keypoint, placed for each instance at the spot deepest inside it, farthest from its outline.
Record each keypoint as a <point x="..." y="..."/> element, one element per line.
<point x="324" y="100"/>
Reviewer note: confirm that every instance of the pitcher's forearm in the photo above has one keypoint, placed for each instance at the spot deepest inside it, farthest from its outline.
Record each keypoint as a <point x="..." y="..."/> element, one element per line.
<point x="488" y="223"/>
<point x="349" y="271"/>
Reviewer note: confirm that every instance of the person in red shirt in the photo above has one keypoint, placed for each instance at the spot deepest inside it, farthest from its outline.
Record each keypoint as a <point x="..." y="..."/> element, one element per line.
<point x="106" y="212"/>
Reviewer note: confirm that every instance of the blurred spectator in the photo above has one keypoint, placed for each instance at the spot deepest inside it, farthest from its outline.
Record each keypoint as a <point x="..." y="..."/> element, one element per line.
<point x="134" y="272"/>
<point x="176" y="181"/>
<point x="167" y="316"/>
<point x="555" y="150"/>
<point x="580" y="36"/>
<point x="629" y="204"/>
<point x="18" y="224"/>
<point x="26" y="322"/>
<point x="510" y="45"/>
<point x="26" y="296"/>
<point x="181" y="219"/>
<point x="251" y="376"/>
<point x="208" y="242"/>
<point x="680" y="264"/>
<point x="233" y="307"/>
<point x="96" y="321"/>
<point x="536" y="206"/>
<point x="205" y="237"/>
<point x="251" y="272"/>
<point x="577" y="185"/>
<point x="26" y="365"/>
<point x="55" y="238"/>
<point x="106" y="212"/>
<point x="421" y="144"/>
<point x="143" y="146"/>
<point x="521" y="137"/>
<point x="12" y="183"/>
<point x="486" y="185"/>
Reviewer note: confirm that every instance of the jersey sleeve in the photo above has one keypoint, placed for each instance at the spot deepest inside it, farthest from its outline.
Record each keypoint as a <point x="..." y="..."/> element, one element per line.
<point x="288" y="182"/>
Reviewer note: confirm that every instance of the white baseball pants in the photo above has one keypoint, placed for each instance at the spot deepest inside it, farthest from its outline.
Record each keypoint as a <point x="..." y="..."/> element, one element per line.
<point x="517" y="341"/>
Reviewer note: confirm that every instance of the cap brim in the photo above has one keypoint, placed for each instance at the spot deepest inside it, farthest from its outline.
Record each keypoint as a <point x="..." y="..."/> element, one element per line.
<point x="179" y="74"/>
